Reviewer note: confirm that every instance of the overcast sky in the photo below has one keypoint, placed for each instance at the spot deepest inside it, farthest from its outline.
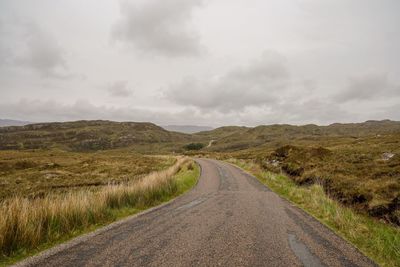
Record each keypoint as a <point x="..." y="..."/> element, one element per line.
<point x="201" y="62"/>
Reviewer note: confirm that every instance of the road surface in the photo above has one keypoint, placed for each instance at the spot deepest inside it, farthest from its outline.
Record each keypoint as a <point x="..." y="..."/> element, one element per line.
<point x="228" y="219"/>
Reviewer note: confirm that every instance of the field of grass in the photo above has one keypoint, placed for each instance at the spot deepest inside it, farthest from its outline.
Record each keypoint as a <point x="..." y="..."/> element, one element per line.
<point x="34" y="173"/>
<point x="27" y="225"/>
<point x="376" y="239"/>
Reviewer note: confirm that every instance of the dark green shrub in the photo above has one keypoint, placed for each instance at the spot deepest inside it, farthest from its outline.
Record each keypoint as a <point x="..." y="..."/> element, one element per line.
<point x="194" y="146"/>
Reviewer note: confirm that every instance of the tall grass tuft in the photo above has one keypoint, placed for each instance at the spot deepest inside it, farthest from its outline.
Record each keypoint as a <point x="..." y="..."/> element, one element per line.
<point x="27" y="223"/>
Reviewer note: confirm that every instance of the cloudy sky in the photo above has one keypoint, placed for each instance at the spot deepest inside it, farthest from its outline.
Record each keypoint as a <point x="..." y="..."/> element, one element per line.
<point x="201" y="62"/>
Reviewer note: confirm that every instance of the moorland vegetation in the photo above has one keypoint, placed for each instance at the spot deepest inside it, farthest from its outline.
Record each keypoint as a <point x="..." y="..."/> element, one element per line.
<point x="76" y="175"/>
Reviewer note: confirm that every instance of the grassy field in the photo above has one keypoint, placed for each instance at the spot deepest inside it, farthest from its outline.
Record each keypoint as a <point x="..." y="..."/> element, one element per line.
<point x="376" y="239"/>
<point x="34" y="173"/>
<point x="29" y="225"/>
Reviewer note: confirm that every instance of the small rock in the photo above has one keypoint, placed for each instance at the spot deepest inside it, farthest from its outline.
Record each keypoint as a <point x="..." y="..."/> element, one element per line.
<point x="387" y="155"/>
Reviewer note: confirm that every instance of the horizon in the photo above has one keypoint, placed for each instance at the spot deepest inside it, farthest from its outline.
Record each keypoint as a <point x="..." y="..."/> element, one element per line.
<point x="195" y="125"/>
<point x="177" y="63"/>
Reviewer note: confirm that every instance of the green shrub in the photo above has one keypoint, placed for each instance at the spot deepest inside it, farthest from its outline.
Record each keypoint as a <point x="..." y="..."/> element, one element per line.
<point x="194" y="146"/>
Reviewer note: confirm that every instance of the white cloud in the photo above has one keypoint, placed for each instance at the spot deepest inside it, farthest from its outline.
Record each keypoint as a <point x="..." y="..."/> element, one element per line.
<point x="26" y="45"/>
<point x="119" y="89"/>
<point x="258" y="83"/>
<point x="159" y="27"/>
<point x="44" y="55"/>
<point x="368" y="87"/>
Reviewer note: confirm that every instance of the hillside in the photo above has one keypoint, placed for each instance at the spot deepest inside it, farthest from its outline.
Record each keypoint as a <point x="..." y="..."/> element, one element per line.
<point x="148" y="137"/>
<point x="235" y="138"/>
<point x="88" y="135"/>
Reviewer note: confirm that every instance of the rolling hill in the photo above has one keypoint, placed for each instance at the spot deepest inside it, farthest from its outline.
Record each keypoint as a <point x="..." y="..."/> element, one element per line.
<point x="147" y="137"/>
<point x="234" y="138"/>
<point x="88" y="135"/>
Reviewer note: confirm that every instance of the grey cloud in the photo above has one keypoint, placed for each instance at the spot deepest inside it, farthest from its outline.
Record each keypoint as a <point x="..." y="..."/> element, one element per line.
<point x="392" y="111"/>
<point x="24" y="44"/>
<point x="313" y="110"/>
<point x="119" y="89"/>
<point x="8" y="43"/>
<point x="325" y="42"/>
<point x="257" y="84"/>
<point x="159" y="27"/>
<point x="41" y="111"/>
<point x="298" y="111"/>
<point x="4" y="53"/>
<point x="368" y="87"/>
<point x="319" y="111"/>
<point x="43" y="54"/>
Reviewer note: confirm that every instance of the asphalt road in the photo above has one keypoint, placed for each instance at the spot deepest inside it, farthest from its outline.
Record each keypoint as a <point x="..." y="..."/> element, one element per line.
<point x="228" y="219"/>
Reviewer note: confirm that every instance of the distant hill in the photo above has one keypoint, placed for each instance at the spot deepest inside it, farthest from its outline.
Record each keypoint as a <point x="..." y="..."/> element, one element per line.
<point x="235" y="138"/>
<point x="148" y="137"/>
<point x="88" y="135"/>
<point x="6" y="122"/>
<point x="189" y="129"/>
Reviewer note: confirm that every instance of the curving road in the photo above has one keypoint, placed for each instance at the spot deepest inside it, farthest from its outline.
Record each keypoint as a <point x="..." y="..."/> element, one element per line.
<point x="228" y="219"/>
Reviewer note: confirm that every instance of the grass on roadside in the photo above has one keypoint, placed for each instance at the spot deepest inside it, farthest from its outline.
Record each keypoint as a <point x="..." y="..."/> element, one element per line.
<point x="31" y="225"/>
<point x="379" y="241"/>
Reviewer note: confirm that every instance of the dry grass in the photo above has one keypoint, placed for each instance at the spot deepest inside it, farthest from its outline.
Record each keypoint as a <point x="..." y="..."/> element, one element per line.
<point x="36" y="173"/>
<point x="26" y="223"/>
